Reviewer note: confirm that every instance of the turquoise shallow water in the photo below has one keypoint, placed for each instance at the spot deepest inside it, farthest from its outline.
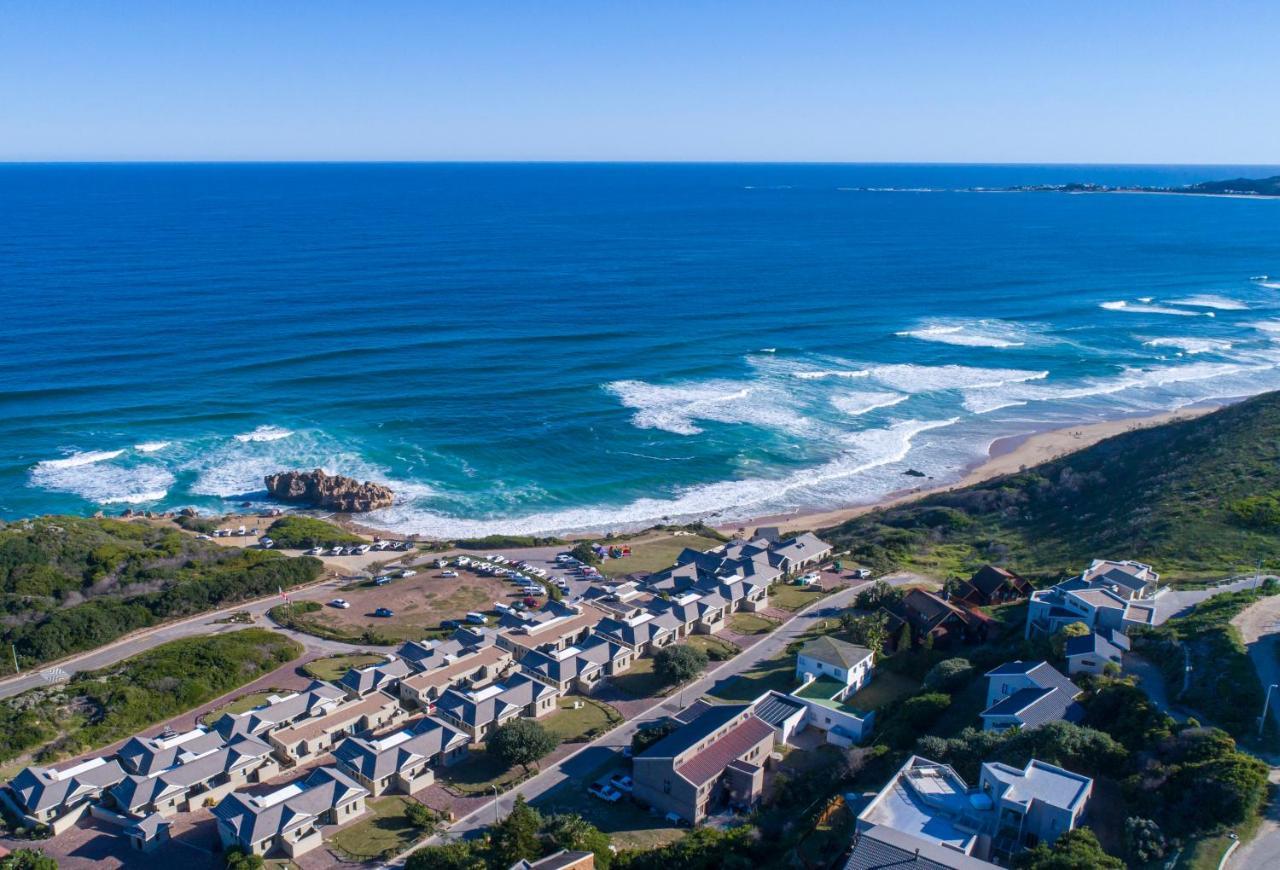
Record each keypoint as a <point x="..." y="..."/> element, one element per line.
<point x="552" y="347"/>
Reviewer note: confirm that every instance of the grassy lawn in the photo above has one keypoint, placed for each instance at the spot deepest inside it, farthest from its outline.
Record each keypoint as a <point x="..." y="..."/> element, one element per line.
<point x="239" y="705"/>
<point x="654" y="554"/>
<point x="750" y="623"/>
<point x="478" y="774"/>
<point x="885" y="688"/>
<point x="717" y="649"/>
<point x="778" y="673"/>
<point x="628" y="826"/>
<point x="793" y="598"/>
<point x="384" y="828"/>
<point x="592" y="719"/>
<point x="334" y="667"/>
<point x="640" y="681"/>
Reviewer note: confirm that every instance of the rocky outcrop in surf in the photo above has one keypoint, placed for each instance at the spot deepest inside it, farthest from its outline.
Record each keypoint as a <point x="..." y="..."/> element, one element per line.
<point x="332" y="492"/>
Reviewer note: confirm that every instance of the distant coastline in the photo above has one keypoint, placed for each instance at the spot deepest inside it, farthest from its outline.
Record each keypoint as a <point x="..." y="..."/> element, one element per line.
<point x="1236" y="188"/>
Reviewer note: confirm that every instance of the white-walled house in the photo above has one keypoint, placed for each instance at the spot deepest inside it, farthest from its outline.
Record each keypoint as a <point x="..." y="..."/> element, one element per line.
<point x="844" y="662"/>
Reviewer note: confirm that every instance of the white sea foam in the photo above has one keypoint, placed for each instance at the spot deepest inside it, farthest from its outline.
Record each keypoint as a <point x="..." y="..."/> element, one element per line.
<point x="812" y="375"/>
<point x="866" y="452"/>
<point x="909" y="378"/>
<point x="970" y="333"/>
<point x="856" y="404"/>
<point x="264" y="433"/>
<point x="150" y="446"/>
<point x="1189" y="345"/>
<point x="1271" y="326"/>
<point x="675" y="407"/>
<point x="75" y="460"/>
<point x="102" y="481"/>
<point x="1210" y="300"/>
<point x="1121" y="305"/>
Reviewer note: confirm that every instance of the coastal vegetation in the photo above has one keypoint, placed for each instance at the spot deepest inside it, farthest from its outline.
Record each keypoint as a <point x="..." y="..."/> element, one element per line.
<point x="69" y="584"/>
<point x="99" y="707"/>
<point x="303" y="533"/>
<point x="1192" y="497"/>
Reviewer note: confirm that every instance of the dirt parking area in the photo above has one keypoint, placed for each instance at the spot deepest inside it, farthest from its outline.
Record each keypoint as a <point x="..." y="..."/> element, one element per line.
<point x="419" y="603"/>
<point x="1259" y="626"/>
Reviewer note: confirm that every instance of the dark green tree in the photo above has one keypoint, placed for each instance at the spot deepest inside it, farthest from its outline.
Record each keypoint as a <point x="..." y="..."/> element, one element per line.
<point x="677" y="664"/>
<point x="1074" y="850"/>
<point x="521" y="741"/>
<point x="515" y="838"/>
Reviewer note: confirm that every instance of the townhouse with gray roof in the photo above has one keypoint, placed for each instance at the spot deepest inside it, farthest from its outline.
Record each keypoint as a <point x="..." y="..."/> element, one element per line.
<point x="479" y="712"/>
<point x="197" y="775"/>
<point x="288" y="820"/>
<point x="401" y="761"/>
<point x="385" y="676"/>
<point x="281" y="711"/>
<point x="581" y="668"/>
<point x="58" y="798"/>
<point x="1094" y="652"/>
<point x="1028" y="695"/>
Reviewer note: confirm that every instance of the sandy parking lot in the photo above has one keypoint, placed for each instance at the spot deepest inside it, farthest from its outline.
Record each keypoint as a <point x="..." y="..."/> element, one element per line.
<point x="420" y="603"/>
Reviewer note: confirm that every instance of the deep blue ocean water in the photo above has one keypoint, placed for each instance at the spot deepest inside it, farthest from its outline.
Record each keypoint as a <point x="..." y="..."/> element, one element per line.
<point x="551" y="347"/>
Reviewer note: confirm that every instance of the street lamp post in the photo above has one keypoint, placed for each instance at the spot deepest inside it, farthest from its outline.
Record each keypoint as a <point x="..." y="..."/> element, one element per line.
<point x="495" y="803"/>
<point x="1262" y="720"/>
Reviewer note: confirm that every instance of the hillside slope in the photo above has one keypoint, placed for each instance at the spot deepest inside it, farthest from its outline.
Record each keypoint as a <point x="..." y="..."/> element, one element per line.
<point x="1197" y="498"/>
<point x="69" y="584"/>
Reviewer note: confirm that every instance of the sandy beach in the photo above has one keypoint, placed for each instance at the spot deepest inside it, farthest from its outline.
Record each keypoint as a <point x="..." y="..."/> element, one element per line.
<point x="1005" y="456"/>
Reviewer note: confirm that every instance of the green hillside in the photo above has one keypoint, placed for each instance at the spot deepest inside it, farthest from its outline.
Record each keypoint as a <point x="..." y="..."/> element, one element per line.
<point x="1197" y="499"/>
<point x="69" y="584"/>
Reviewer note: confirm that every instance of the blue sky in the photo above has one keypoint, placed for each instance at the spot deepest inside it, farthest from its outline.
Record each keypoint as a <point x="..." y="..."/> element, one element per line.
<point x="1170" y="82"/>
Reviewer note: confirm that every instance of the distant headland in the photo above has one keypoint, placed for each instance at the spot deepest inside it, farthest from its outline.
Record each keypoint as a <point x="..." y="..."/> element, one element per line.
<point x="1251" y="187"/>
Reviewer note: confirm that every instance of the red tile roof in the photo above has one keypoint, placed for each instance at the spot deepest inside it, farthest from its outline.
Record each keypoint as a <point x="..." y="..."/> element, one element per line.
<point x="711" y="762"/>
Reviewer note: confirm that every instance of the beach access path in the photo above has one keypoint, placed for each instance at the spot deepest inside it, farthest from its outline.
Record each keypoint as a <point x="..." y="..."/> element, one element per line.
<point x="608" y="747"/>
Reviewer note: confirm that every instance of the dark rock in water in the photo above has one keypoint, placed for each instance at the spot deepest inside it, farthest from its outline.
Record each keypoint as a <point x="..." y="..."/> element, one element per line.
<point x="911" y="472"/>
<point x="338" y="493"/>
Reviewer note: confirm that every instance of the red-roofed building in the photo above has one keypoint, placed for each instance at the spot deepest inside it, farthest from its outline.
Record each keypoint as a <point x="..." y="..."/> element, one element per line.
<point x="715" y="759"/>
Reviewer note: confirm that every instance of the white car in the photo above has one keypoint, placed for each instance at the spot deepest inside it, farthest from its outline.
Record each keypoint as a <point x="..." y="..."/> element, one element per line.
<point x="336" y="551"/>
<point x="448" y="573"/>
<point x="204" y="538"/>
<point x="314" y="551"/>
<point x="605" y="792"/>
<point x="340" y="603"/>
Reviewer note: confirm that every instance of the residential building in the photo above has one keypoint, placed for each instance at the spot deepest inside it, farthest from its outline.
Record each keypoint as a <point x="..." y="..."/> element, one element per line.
<point x="1129" y="579"/>
<point x="645" y="633"/>
<point x="580" y="668"/>
<point x="385" y="676"/>
<point x="198" y="776"/>
<point x="58" y="798"/>
<point x="562" y="860"/>
<point x="927" y="816"/>
<point x="288" y="820"/>
<point x="1091" y="653"/>
<point x="147" y="755"/>
<point x="479" y="712"/>
<point x="991" y="585"/>
<point x="716" y="759"/>
<point x="401" y="761"/>
<point x="1100" y="609"/>
<point x="947" y="623"/>
<point x="740" y="571"/>
<point x="1027" y="695"/>
<point x="555" y="623"/>
<point x="846" y="663"/>
<point x="471" y="666"/>
<point x="281" y="711"/>
<point x="309" y="738"/>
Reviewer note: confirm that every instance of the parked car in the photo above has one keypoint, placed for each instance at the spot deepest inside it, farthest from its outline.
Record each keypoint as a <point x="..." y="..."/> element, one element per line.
<point x="808" y="579"/>
<point x="203" y="538"/>
<point x="408" y="572"/>
<point x="605" y="792"/>
<point x="381" y="581"/>
<point x="315" y="551"/>
<point x="384" y="612"/>
<point x="450" y="623"/>
<point x="528" y="601"/>
<point x="621" y="782"/>
<point x="477" y="618"/>
<point x="861" y="573"/>
<point x="340" y="603"/>
<point x="448" y="573"/>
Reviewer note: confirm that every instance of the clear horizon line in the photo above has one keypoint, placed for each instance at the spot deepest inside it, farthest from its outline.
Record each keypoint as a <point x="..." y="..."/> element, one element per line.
<point x="581" y="162"/>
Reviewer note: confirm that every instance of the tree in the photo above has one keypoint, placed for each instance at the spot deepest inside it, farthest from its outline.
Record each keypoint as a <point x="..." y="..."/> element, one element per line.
<point x="515" y="838"/>
<point x="676" y="664"/>
<point x="574" y="833"/>
<point x="585" y="553"/>
<point x="1074" y="850"/>
<point x="420" y="816"/>
<point x="646" y="737"/>
<point x="869" y="630"/>
<point x="459" y="855"/>
<point x="904" y="638"/>
<point x="1143" y="839"/>
<point x="948" y="675"/>
<point x="1068" y="631"/>
<point x="878" y="594"/>
<point x="27" y="859"/>
<point x="521" y="741"/>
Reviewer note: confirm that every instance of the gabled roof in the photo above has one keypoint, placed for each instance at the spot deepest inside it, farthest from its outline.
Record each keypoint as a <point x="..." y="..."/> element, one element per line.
<point x="375" y="759"/>
<point x="1050" y="699"/>
<point x="879" y="847"/>
<point x="725" y="750"/>
<point x="715" y="716"/>
<point x="1091" y="644"/>
<point x="317" y="697"/>
<point x="145" y="755"/>
<point x="253" y="819"/>
<point x="835" y="652"/>
<point x="42" y="788"/>
<point x="361" y="681"/>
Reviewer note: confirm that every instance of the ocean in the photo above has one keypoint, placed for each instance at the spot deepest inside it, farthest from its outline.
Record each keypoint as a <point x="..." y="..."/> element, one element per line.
<point x="534" y="348"/>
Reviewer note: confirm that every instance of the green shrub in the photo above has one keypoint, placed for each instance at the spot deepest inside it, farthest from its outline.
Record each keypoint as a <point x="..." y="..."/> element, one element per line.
<point x="302" y="533"/>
